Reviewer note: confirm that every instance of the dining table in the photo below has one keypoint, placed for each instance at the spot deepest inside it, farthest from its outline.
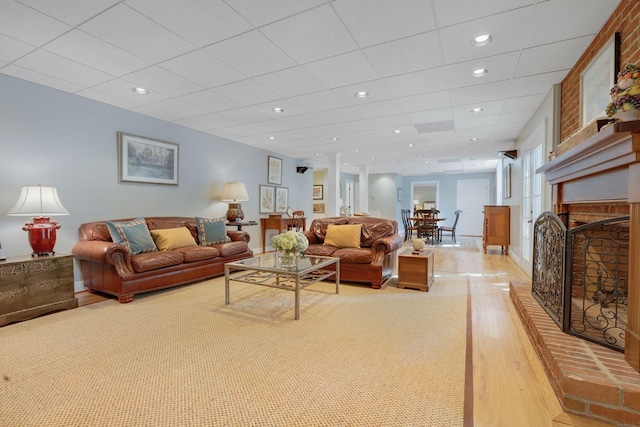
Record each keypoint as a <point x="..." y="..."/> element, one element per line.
<point x="415" y="219"/>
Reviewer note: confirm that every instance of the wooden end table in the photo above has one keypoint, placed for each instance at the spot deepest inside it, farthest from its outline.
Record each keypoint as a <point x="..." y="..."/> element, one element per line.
<point x="415" y="270"/>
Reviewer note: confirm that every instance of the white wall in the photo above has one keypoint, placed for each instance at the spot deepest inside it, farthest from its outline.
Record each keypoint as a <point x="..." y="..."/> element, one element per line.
<point x="66" y="141"/>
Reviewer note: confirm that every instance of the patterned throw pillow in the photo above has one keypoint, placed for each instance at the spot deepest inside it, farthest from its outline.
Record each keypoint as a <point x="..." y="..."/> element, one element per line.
<point x="132" y="234"/>
<point x="212" y="231"/>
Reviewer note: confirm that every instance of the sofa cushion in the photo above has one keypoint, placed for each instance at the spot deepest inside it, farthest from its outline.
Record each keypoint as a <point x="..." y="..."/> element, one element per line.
<point x="320" y="250"/>
<point x="212" y="231"/>
<point x="343" y="236"/>
<point x="198" y="253"/>
<point x="172" y="238"/>
<point x="354" y="255"/>
<point x="153" y="261"/>
<point x="133" y="234"/>
<point x="231" y="248"/>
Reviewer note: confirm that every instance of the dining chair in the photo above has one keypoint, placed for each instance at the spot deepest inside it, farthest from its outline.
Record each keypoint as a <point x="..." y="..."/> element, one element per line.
<point x="426" y="225"/>
<point x="451" y="230"/>
<point x="409" y="227"/>
<point x="296" y="224"/>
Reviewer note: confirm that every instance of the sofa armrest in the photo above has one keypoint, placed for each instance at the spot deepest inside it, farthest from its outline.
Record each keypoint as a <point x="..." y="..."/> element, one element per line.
<point x="105" y="252"/>
<point x="238" y="236"/>
<point x="311" y="237"/>
<point x="384" y="246"/>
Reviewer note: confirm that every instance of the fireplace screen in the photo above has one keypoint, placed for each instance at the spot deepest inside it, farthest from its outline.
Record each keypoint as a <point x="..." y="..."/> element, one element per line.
<point x="581" y="279"/>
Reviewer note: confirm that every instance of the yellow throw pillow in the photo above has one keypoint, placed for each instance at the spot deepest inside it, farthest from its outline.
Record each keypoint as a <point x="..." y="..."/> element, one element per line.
<point x="343" y="236"/>
<point x="173" y="238"/>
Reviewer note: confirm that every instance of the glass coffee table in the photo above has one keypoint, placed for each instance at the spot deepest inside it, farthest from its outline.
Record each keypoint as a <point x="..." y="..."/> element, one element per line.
<point x="264" y="270"/>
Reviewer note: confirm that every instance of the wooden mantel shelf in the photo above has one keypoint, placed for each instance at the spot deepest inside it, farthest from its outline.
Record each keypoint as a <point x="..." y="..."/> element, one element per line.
<point x="613" y="147"/>
<point x="597" y="169"/>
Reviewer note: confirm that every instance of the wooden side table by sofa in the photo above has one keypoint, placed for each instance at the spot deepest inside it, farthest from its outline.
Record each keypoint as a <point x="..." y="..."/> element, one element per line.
<point x="415" y="270"/>
<point x="33" y="286"/>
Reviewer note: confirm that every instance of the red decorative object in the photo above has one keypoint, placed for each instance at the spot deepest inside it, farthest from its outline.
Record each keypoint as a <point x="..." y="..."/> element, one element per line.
<point x="42" y="235"/>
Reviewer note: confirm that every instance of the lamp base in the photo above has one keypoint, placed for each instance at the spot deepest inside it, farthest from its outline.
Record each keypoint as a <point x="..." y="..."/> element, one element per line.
<point x="42" y="235"/>
<point x="235" y="214"/>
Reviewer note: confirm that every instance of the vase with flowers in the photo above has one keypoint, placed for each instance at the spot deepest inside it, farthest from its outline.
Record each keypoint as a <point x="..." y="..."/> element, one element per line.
<point x="625" y="95"/>
<point x="289" y="247"/>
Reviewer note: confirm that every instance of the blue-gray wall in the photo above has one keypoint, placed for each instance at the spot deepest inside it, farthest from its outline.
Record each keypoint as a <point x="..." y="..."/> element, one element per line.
<point x="66" y="141"/>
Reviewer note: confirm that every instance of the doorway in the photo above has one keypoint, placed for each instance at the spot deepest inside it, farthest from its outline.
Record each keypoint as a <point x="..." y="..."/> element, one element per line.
<point x="472" y="196"/>
<point x="424" y="195"/>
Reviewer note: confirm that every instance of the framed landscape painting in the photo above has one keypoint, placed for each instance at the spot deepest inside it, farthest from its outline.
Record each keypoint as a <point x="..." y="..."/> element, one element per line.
<point x="147" y="160"/>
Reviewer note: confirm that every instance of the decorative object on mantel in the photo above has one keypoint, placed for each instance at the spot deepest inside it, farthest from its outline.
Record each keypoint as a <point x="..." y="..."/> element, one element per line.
<point x="625" y="95"/>
<point x="289" y="246"/>
<point x="235" y="192"/>
<point x="41" y="203"/>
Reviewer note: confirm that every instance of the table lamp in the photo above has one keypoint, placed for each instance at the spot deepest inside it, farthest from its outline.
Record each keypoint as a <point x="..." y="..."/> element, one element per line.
<point x="41" y="203"/>
<point x="235" y="192"/>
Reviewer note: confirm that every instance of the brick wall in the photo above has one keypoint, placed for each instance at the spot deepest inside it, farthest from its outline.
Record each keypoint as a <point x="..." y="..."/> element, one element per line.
<point x="626" y="21"/>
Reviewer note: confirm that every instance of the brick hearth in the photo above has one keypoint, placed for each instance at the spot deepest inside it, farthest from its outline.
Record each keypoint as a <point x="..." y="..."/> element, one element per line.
<point x="590" y="380"/>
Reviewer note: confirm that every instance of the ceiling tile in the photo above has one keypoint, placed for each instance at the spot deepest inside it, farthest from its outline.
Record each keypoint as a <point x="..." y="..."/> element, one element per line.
<point x="538" y="84"/>
<point x="319" y="34"/>
<point x="177" y="109"/>
<point x="342" y="70"/>
<point x="426" y="101"/>
<point x="551" y="57"/>
<point x="500" y="67"/>
<point x="378" y="21"/>
<point x="479" y="93"/>
<point x="88" y="50"/>
<point x="197" y="28"/>
<point x="317" y="101"/>
<point x="13" y="49"/>
<point x="246" y="92"/>
<point x="290" y="82"/>
<point x="260" y="13"/>
<point x="454" y="12"/>
<point x="210" y="100"/>
<point x="416" y="83"/>
<point x="406" y="55"/>
<point x="376" y="89"/>
<point x="127" y="29"/>
<point x="123" y="89"/>
<point x="40" y="78"/>
<point x="259" y="55"/>
<point x="23" y="23"/>
<point x="72" y="12"/>
<point x="203" y="69"/>
<point x="48" y="63"/>
<point x="162" y="80"/>
<point x="244" y="115"/>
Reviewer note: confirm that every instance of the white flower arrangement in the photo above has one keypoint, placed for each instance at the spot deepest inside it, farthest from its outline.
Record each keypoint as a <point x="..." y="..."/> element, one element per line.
<point x="291" y="241"/>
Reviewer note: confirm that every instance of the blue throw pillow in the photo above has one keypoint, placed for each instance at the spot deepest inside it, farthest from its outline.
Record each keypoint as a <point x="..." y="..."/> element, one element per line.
<point x="212" y="231"/>
<point x="133" y="234"/>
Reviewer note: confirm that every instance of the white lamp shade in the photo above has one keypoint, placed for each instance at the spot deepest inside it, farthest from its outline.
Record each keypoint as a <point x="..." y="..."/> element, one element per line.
<point x="36" y="200"/>
<point x="234" y="192"/>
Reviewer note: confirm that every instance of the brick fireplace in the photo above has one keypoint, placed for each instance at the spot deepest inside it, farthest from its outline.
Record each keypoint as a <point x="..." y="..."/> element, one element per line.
<point x="598" y="178"/>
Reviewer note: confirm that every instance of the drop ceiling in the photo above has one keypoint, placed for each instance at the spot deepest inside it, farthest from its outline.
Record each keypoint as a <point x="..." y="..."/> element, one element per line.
<point x="221" y="67"/>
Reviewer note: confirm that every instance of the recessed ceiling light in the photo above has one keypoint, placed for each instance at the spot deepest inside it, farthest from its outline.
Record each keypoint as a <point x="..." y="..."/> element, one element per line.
<point x="473" y="139"/>
<point x="356" y="149"/>
<point x="482" y="40"/>
<point x="479" y="72"/>
<point x="278" y="110"/>
<point x="397" y="131"/>
<point x="412" y="145"/>
<point x="362" y="94"/>
<point x="316" y="154"/>
<point x="140" y="90"/>
<point x="419" y="155"/>
<point x="345" y="164"/>
<point x="476" y="110"/>
<point x="371" y="158"/>
<point x="335" y="138"/>
<point x="272" y="138"/>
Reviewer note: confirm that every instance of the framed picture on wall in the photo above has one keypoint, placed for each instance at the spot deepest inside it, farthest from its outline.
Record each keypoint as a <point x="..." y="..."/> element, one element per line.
<point x="267" y="199"/>
<point x="274" y="170"/>
<point x="318" y="208"/>
<point x="282" y="199"/>
<point x="597" y="79"/>
<point x="147" y="160"/>
<point x="318" y="192"/>
<point x="506" y="182"/>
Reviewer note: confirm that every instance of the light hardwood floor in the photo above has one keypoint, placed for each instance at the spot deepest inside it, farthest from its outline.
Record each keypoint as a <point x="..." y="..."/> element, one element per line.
<point x="510" y="388"/>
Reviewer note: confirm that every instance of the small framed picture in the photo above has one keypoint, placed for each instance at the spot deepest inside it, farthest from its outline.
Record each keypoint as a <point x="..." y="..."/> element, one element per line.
<point x="274" y="171"/>
<point x="318" y="208"/>
<point x="399" y="195"/>
<point x="318" y="192"/>
<point x="282" y="199"/>
<point x="147" y="160"/>
<point x="267" y="199"/>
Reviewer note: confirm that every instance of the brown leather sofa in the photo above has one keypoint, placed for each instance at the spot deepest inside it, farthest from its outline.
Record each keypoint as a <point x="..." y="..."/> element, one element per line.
<point x="110" y="268"/>
<point x="373" y="262"/>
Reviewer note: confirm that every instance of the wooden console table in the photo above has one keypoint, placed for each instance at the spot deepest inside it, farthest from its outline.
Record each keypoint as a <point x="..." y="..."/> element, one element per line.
<point x="33" y="286"/>
<point x="280" y="224"/>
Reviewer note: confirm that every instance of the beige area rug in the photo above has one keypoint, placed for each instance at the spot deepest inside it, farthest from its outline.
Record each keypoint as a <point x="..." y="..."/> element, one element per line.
<point x="180" y="357"/>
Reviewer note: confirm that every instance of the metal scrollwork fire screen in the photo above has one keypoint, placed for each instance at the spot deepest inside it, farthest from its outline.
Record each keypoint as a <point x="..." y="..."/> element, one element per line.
<point x="580" y="277"/>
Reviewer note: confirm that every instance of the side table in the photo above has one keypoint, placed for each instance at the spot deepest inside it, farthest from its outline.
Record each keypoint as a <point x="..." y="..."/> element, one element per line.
<point x="415" y="270"/>
<point x="33" y="286"/>
<point x="240" y="224"/>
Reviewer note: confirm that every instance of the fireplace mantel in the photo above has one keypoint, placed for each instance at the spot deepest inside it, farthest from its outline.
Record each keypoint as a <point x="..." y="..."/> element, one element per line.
<point x="602" y="169"/>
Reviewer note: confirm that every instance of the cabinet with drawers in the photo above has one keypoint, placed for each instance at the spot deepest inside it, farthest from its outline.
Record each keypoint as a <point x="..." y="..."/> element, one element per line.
<point x="495" y="230"/>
